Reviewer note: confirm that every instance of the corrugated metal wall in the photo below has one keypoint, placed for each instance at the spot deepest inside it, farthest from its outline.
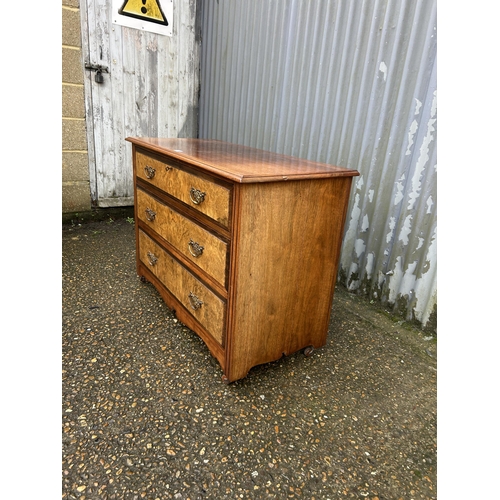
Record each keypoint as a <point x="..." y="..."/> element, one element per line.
<point x="350" y="83"/>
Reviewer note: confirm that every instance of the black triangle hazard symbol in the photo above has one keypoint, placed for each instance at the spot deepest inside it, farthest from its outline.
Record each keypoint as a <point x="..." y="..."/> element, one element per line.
<point x="147" y="10"/>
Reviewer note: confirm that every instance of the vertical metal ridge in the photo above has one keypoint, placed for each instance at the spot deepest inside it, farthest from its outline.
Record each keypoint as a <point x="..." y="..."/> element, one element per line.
<point x="346" y="83"/>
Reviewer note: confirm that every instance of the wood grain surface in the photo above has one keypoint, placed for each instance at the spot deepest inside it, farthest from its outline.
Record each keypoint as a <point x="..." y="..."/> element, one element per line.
<point x="180" y="231"/>
<point x="181" y="283"/>
<point x="178" y="183"/>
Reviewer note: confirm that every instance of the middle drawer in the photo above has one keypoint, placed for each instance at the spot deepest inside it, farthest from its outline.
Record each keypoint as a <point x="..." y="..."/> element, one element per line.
<point x="197" y="244"/>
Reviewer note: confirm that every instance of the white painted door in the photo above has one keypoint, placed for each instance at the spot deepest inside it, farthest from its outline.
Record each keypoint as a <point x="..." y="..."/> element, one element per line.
<point x="150" y="87"/>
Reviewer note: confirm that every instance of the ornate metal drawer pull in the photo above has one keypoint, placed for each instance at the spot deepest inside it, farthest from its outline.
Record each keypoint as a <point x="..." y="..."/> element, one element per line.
<point x="150" y="171"/>
<point x="196" y="303"/>
<point x="153" y="259"/>
<point x="150" y="214"/>
<point x="167" y="168"/>
<point x="195" y="249"/>
<point x="196" y="196"/>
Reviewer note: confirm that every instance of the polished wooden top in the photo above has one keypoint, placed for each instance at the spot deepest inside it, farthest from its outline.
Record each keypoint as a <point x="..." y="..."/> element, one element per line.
<point x="240" y="163"/>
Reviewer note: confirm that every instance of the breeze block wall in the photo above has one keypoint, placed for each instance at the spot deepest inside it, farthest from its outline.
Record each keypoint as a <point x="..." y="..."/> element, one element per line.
<point x="75" y="170"/>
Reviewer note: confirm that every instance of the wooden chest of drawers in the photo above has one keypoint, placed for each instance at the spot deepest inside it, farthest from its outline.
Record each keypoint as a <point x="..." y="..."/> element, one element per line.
<point x="242" y="244"/>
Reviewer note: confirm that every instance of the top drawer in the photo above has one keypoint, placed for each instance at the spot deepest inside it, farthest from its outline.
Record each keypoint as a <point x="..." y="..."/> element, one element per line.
<point x="202" y="194"/>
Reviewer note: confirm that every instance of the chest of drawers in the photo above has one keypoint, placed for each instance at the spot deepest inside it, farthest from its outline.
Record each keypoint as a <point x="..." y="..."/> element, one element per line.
<point x="242" y="244"/>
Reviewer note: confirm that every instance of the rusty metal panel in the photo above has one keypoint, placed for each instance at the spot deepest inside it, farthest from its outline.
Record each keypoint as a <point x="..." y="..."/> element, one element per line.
<point x="347" y="83"/>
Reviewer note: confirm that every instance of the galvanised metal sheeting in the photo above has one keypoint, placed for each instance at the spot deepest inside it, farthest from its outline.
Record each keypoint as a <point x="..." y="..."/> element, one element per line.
<point x="351" y="83"/>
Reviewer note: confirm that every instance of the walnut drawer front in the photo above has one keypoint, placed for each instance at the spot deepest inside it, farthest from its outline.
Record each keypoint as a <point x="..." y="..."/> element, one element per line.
<point x="199" y="193"/>
<point x="201" y="303"/>
<point x="197" y="244"/>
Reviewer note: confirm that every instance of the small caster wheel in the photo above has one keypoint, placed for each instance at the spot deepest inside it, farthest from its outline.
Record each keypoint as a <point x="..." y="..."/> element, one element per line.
<point x="143" y="279"/>
<point x="225" y="380"/>
<point x="308" y="351"/>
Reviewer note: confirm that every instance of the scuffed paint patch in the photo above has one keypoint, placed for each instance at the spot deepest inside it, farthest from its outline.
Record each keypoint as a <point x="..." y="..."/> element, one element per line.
<point x="365" y="224"/>
<point x="383" y="68"/>
<point x="420" y="243"/>
<point x="405" y="230"/>
<point x="371" y="192"/>
<point x="359" y="182"/>
<point x="399" y="190"/>
<point x="359" y="247"/>
<point x="423" y="157"/>
<point x="392" y="225"/>
<point x="411" y="135"/>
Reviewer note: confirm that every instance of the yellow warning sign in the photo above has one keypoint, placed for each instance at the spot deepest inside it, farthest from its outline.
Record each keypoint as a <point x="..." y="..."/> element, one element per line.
<point x="148" y="10"/>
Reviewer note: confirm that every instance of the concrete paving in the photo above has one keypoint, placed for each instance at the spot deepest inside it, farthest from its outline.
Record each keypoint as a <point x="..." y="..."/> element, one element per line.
<point x="145" y="413"/>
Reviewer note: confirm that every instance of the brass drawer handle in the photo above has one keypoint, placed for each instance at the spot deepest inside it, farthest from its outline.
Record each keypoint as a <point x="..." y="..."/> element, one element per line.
<point x="152" y="258"/>
<point x="196" y="196"/>
<point x="195" y="249"/>
<point x="196" y="303"/>
<point x="150" y="214"/>
<point x="150" y="171"/>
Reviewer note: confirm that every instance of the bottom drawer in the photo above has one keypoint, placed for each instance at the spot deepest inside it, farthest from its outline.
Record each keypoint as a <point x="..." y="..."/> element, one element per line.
<point x="199" y="300"/>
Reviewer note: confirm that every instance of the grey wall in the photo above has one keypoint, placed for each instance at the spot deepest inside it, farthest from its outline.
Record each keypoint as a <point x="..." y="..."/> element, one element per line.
<point x="351" y="83"/>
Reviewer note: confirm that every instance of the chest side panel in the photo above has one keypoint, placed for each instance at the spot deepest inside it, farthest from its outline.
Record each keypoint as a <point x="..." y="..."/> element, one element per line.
<point x="288" y="242"/>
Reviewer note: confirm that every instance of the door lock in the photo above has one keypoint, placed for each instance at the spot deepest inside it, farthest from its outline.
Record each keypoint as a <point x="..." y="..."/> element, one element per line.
<point x="99" y="69"/>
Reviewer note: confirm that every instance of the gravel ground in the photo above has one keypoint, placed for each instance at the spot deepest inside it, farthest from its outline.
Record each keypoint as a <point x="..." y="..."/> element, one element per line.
<point x="146" y="415"/>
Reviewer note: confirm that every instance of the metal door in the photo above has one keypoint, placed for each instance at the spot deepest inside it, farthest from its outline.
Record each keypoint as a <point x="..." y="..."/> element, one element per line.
<point x="137" y="83"/>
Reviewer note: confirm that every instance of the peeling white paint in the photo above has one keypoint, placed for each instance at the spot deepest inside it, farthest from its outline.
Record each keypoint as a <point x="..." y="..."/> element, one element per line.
<point x="365" y="224"/>
<point x="370" y="258"/>
<point x="429" y="204"/>
<point x="392" y="225"/>
<point x="409" y="279"/>
<point x="402" y="282"/>
<point x="354" y="284"/>
<point x="403" y="120"/>
<point x="418" y="105"/>
<point x="426" y="285"/>
<point x="395" y="280"/>
<point x="359" y="247"/>
<point x="405" y="230"/>
<point x="383" y="69"/>
<point x="423" y="157"/>
<point x="411" y="135"/>
<point x="381" y="279"/>
<point x="400" y="187"/>
<point x="351" y="231"/>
